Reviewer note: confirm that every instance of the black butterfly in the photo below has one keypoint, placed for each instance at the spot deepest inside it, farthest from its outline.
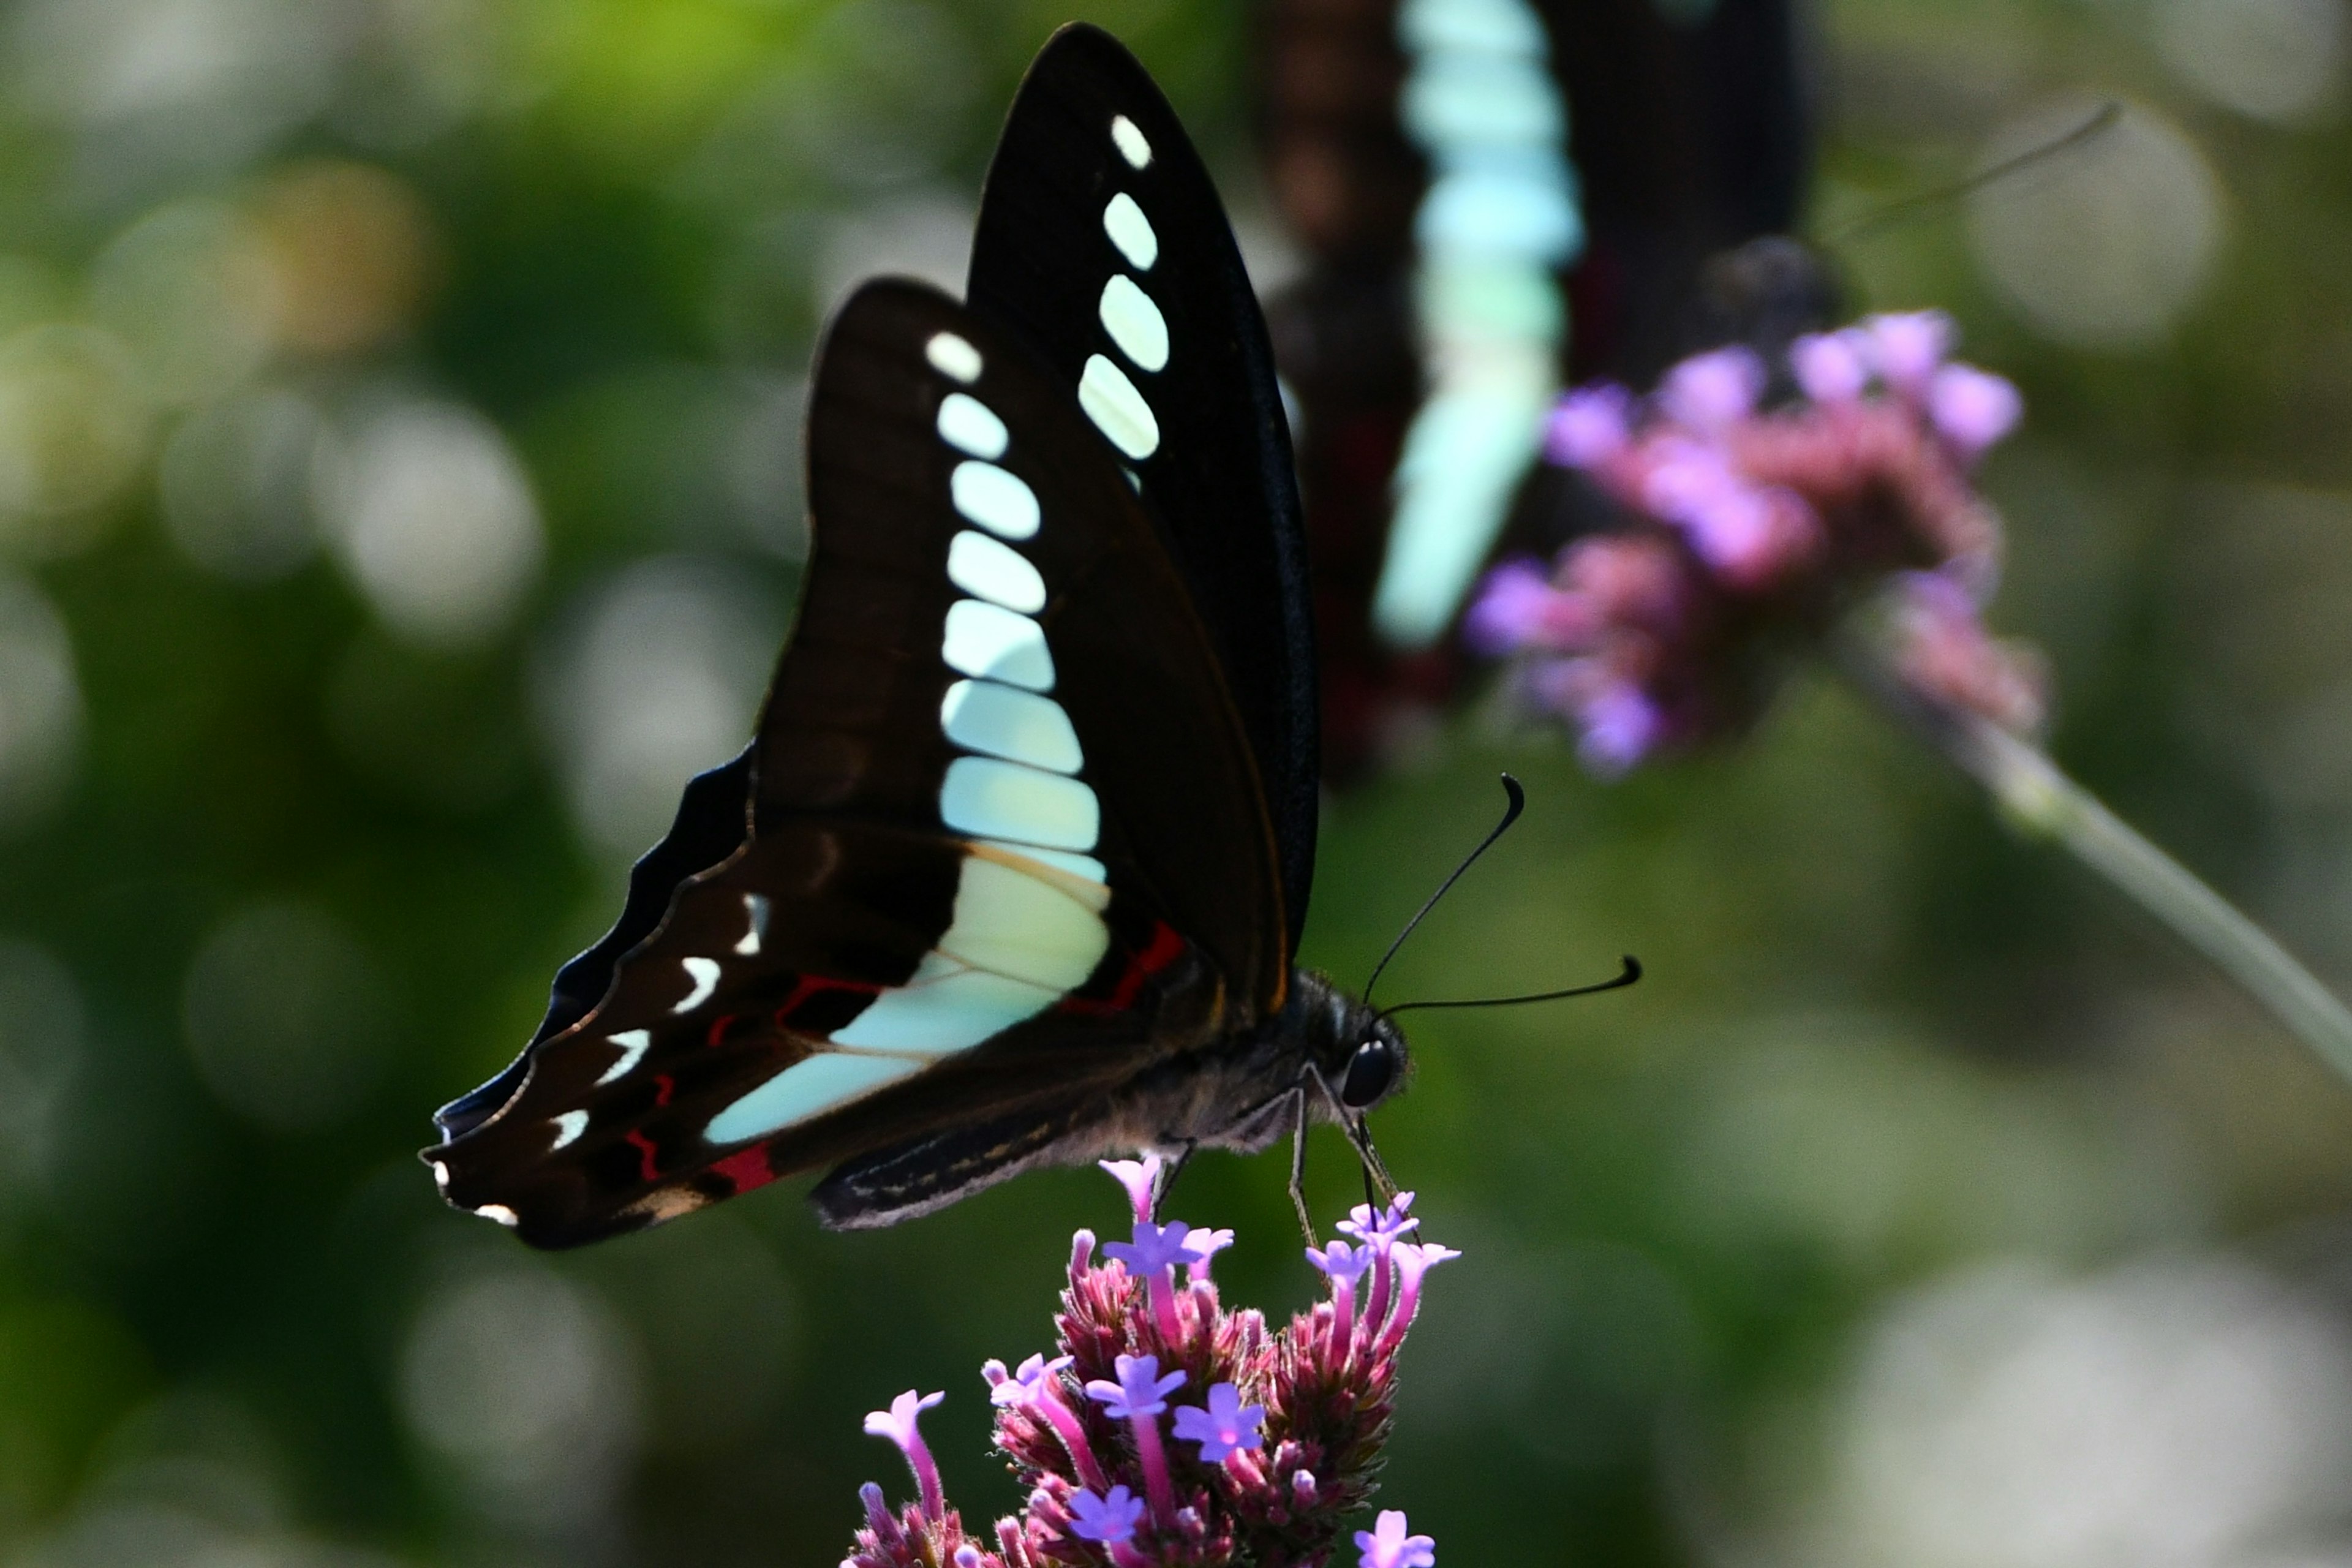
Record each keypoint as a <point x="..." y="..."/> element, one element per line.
<point x="1013" y="871"/>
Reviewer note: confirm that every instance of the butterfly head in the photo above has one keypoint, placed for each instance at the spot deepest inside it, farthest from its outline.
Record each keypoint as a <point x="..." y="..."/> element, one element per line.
<point x="1359" y="1054"/>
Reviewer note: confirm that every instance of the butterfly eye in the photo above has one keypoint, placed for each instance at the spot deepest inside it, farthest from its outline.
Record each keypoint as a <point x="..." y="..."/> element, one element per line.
<point x="1369" y="1072"/>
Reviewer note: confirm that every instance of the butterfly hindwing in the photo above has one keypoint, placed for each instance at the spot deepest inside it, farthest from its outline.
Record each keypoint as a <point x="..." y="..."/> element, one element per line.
<point x="1101" y="238"/>
<point x="1002" y="839"/>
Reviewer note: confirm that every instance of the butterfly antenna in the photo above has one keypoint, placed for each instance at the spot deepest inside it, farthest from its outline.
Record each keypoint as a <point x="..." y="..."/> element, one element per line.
<point x="1625" y="977"/>
<point x="1518" y="803"/>
<point x="1903" y="209"/>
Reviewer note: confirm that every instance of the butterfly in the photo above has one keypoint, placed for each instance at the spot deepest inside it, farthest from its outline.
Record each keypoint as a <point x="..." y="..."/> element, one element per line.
<point x="1013" y="871"/>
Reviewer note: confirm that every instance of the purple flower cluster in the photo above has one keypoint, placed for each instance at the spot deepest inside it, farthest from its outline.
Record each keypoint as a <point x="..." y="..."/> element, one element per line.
<point x="1252" y="1446"/>
<point x="1756" y="529"/>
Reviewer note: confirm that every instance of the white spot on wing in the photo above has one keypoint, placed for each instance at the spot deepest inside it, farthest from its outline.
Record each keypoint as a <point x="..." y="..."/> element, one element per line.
<point x="992" y="799"/>
<point x="953" y="357"/>
<point x="1131" y="232"/>
<point x="633" y="1043"/>
<point x="1130" y="141"/>
<point x="440" y="1176"/>
<point x="1134" y="323"/>
<point x="950" y="1009"/>
<point x="500" y="1213"/>
<point x="806" y="1088"/>
<point x="1117" y="410"/>
<point x="755" y="913"/>
<point x="991" y="642"/>
<point x="704" y="972"/>
<point x="981" y="716"/>
<point x="999" y="501"/>
<point x="568" y="1127"/>
<point x="997" y="572"/>
<point x="971" y="426"/>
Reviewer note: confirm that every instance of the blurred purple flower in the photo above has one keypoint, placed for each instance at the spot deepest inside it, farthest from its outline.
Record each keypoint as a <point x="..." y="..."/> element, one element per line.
<point x="1590" y="425"/>
<point x="1753" y="530"/>
<point x="1973" y="408"/>
<point x="1141" y="1180"/>
<point x="1831" y="367"/>
<point x="1713" y="389"/>
<point x="1907" y="348"/>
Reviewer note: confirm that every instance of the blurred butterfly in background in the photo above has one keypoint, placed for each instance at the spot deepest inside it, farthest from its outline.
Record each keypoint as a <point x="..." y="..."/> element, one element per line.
<point x="1498" y="198"/>
<point x="1014" y="870"/>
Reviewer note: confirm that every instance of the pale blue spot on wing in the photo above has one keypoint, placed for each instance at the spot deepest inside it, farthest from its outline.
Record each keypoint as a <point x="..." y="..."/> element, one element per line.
<point x="999" y="501"/>
<point x="1117" y="410"/>
<point x="987" y="568"/>
<point x="1133" y="232"/>
<point x="952" y="1010"/>
<point x="1081" y="866"/>
<point x="969" y="424"/>
<point x="1129" y="139"/>
<point x="991" y="642"/>
<point x="1134" y="323"/>
<point x="704" y="972"/>
<point x="981" y="716"/>
<point x="992" y="799"/>
<point x="806" y="1088"/>
<point x="568" y="1127"/>
<point x="953" y="357"/>
<point x="633" y="1043"/>
<point x="1011" y="923"/>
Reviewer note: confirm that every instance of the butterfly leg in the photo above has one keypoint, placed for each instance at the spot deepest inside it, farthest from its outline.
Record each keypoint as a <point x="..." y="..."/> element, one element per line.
<point x="1359" y="1133"/>
<point x="1298" y="1164"/>
<point x="1167" y="1175"/>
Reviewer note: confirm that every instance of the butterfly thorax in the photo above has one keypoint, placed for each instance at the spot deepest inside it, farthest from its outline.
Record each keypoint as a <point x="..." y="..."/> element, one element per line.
<point x="1241" y="1092"/>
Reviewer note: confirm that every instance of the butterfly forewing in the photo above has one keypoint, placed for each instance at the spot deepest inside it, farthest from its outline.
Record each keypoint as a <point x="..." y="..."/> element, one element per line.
<point x="1101" y="238"/>
<point x="1005" y="841"/>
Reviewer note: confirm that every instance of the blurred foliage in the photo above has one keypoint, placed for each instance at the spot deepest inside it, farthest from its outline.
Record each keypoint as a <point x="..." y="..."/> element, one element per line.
<point x="397" y="409"/>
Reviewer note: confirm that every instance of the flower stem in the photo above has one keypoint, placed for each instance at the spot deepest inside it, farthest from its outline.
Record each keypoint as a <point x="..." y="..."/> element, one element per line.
<point x="2034" y="793"/>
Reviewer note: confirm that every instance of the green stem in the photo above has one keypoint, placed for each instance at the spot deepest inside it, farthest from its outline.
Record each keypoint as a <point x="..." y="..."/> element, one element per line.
<point x="2036" y="793"/>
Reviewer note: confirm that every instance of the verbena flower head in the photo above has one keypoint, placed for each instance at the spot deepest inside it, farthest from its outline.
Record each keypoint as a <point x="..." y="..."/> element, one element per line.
<point x="1753" y="529"/>
<point x="1271" y="1466"/>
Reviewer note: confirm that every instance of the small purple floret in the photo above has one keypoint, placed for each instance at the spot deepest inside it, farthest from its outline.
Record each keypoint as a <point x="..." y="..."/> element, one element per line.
<point x="1711" y="390"/>
<point x="1909" y="346"/>
<point x="1831" y="367"/>
<point x="1156" y="1247"/>
<point x="1386" y="1545"/>
<point x="1511" y="610"/>
<point x="1972" y="408"/>
<point x="1141" y="1180"/>
<point x="901" y="1424"/>
<point x="1225" y="1426"/>
<point x="1622" y="726"/>
<point x="1344" y="1264"/>
<point x="1141" y="1390"/>
<point x="1382" y="1230"/>
<point x="1026" y="1384"/>
<point x="1588" y="426"/>
<point x="1105" y="1518"/>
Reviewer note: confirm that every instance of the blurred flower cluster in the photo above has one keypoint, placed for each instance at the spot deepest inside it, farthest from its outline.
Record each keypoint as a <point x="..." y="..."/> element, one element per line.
<point x="1757" y="524"/>
<point x="1251" y="1447"/>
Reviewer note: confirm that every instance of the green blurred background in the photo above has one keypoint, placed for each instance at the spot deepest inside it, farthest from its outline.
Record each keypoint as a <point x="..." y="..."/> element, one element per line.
<point x="398" y="499"/>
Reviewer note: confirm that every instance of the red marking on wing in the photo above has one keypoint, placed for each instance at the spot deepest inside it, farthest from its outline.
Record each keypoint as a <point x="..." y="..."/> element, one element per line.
<point x="719" y="1029"/>
<point x="1164" y="949"/>
<point x="645" y="1146"/>
<point x="746" y="1168"/>
<point x="663" y="1084"/>
<point x="811" y="986"/>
